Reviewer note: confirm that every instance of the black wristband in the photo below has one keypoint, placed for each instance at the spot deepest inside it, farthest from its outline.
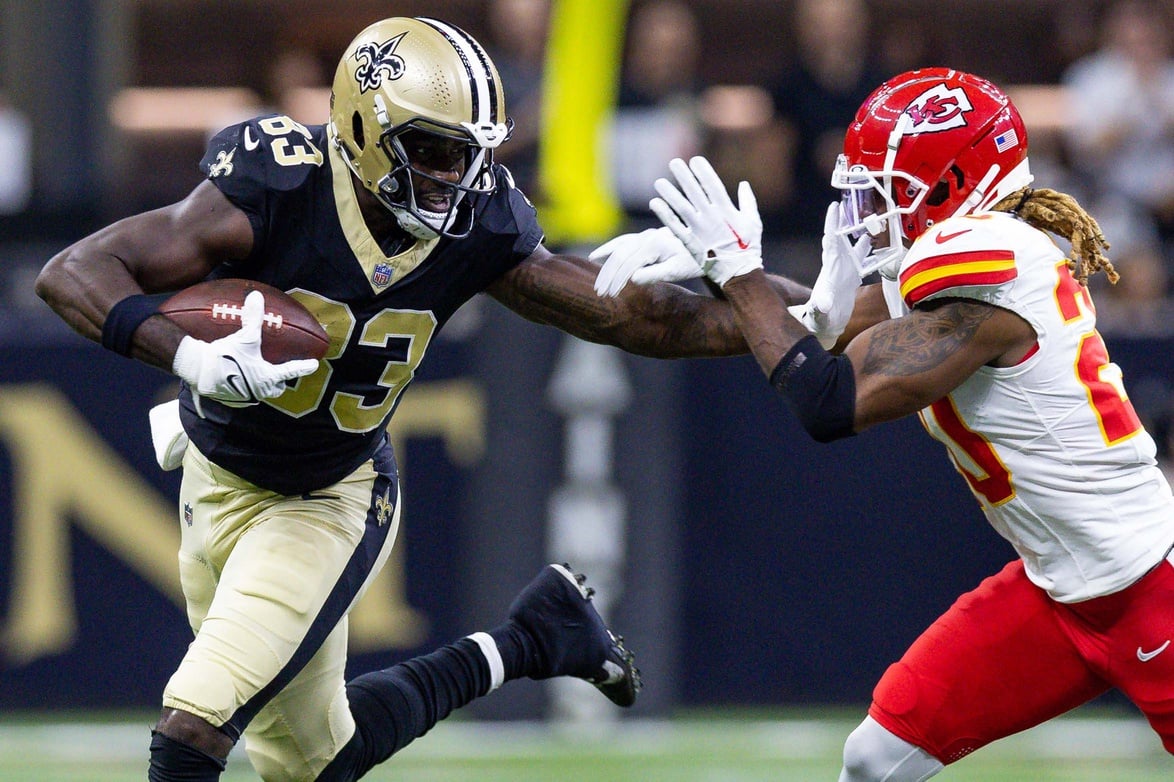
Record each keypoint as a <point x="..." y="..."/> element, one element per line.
<point x="124" y="319"/>
<point x="819" y="387"/>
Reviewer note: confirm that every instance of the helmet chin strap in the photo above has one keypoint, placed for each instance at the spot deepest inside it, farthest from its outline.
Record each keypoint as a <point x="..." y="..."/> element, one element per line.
<point x="414" y="225"/>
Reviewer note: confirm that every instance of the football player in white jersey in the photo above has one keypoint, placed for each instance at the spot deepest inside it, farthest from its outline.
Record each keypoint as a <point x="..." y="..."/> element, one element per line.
<point x="984" y="328"/>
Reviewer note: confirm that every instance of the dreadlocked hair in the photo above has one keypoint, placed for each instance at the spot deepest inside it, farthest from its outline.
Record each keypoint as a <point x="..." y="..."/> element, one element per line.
<point x="1058" y="213"/>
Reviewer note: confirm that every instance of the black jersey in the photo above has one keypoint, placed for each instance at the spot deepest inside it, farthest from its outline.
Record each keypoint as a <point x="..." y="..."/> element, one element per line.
<point x="380" y="311"/>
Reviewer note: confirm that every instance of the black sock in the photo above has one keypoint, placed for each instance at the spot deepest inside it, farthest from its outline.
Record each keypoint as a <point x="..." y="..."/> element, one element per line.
<point x="174" y="761"/>
<point x="519" y="653"/>
<point x="397" y="705"/>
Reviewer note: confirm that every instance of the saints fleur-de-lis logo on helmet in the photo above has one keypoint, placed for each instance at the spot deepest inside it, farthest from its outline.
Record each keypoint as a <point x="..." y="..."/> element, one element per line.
<point x="376" y="61"/>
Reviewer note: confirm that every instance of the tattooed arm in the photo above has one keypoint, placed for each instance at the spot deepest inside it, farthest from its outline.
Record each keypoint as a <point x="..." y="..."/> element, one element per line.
<point x="899" y="366"/>
<point x="906" y="364"/>
<point x="660" y="320"/>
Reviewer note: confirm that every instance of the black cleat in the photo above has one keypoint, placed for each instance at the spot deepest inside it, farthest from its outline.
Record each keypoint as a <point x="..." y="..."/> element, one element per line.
<point x="556" y="611"/>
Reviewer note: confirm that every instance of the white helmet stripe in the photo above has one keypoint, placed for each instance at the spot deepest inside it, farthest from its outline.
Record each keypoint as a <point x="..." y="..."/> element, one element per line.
<point x="485" y="97"/>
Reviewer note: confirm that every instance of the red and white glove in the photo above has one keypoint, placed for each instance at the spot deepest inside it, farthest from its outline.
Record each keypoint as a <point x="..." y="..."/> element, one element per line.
<point x="654" y="255"/>
<point x="833" y="296"/>
<point x="231" y="369"/>
<point x="725" y="240"/>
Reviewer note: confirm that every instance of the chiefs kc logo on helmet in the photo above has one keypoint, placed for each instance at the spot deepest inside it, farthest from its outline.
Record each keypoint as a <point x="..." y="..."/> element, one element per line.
<point x="377" y="61"/>
<point x="939" y="108"/>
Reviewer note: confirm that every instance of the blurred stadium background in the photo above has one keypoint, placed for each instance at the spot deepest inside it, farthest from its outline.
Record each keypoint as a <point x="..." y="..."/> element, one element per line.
<point x="764" y="581"/>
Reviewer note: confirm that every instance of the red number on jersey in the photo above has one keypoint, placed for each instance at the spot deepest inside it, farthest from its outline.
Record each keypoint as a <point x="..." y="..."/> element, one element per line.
<point x="1106" y="393"/>
<point x="994" y="482"/>
<point x="1100" y="377"/>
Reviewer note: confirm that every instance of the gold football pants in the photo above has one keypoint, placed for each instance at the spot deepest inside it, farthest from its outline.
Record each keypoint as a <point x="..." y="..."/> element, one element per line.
<point x="268" y="581"/>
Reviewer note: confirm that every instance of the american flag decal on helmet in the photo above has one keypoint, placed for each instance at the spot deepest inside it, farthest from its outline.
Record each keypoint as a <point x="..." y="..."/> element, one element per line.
<point x="1006" y="140"/>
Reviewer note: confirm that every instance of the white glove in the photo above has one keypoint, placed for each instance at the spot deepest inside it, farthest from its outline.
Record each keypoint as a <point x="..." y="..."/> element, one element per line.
<point x="833" y="296"/>
<point x="231" y="369"/>
<point x="726" y="241"/>
<point x="654" y="255"/>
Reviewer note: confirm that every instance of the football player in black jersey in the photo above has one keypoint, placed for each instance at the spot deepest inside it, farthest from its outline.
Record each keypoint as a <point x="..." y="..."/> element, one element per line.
<point x="382" y="222"/>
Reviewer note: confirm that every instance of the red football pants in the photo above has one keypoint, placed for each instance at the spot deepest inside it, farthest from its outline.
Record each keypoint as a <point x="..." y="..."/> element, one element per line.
<point x="1006" y="657"/>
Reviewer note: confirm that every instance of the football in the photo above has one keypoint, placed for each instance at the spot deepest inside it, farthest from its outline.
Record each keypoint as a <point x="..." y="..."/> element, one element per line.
<point x="210" y="310"/>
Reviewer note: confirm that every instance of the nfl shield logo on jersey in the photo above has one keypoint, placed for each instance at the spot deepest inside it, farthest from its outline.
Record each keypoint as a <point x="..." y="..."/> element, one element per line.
<point x="382" y="274"/>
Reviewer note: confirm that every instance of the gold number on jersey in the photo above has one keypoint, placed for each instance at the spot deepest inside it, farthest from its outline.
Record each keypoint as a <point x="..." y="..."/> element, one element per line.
<point x="411" y="329"/>
<point x="306" y="395"/>
<point x="285" y="151"/>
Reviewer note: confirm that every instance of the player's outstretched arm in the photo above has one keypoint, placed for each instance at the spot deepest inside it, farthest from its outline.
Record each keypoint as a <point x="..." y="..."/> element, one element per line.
<point x="661" y="320"/>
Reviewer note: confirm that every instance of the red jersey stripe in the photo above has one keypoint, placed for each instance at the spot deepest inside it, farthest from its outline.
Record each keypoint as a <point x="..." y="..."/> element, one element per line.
<point x="937" y="273"/>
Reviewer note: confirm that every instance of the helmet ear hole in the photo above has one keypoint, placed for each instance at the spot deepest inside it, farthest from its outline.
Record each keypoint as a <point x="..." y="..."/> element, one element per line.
<point x="939" y="194"/>
<point x="958" y="175"/>
<point x="357" y="131"/>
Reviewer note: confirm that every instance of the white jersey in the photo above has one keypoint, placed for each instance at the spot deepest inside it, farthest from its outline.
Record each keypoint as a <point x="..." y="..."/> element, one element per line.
<point x="1052" y="447"/>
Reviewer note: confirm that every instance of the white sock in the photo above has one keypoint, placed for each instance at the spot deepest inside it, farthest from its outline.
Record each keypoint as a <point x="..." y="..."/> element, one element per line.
<point x="492" y="657"/>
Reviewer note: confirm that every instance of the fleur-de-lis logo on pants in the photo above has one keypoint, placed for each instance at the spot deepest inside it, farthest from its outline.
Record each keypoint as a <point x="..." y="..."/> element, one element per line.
<point x="383" y="507"/>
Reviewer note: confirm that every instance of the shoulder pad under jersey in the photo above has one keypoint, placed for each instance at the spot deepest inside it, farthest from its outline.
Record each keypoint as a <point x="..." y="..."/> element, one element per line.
<point x="267" y="153"/>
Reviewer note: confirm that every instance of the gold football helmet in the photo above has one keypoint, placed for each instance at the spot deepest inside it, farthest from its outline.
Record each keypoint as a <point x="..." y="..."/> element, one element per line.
<point x="417" y="74"/>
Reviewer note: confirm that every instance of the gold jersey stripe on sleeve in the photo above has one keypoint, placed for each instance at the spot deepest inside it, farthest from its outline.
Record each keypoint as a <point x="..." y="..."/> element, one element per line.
<point x="933" y="275"/>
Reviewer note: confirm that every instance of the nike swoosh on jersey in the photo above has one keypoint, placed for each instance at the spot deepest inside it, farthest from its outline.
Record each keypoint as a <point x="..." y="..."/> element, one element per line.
<point x="943" y="238"/>
<point x="250" y="142"/>
<point x="1145" y="657"/>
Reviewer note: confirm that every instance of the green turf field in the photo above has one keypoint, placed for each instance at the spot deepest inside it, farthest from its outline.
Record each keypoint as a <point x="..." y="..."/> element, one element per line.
<point x="1089" y="746"/>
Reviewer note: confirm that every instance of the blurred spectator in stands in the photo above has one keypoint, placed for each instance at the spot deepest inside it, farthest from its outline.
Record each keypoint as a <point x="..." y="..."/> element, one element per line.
<point x="16" y="150"/>
<point x="745" y="140"/>
<point x="1074" y="35"/>
<point x="657" y="114"/>
<point x="1121" y="133"/>
<point x="296" y="81"/>
<point x="1139" y="304"/>
<point x="905" y="42"/>
<point x="817" y="94"/>
<point x="518" y="31"/>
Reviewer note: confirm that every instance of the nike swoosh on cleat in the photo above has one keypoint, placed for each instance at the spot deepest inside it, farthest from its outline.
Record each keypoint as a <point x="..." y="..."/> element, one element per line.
<point x="943" y="238"/>
<point x="1145" y="657"/>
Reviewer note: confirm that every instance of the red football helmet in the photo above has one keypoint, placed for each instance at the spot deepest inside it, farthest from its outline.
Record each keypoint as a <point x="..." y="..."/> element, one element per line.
<point x="927" y="145"/>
